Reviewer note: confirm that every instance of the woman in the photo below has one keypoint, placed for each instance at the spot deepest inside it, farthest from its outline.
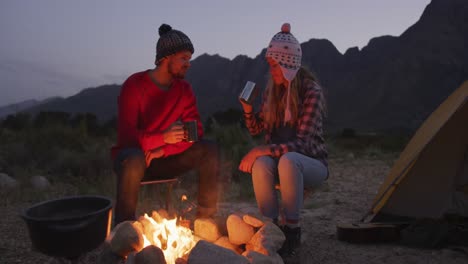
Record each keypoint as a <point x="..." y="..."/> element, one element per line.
<point x="291" y="115"/>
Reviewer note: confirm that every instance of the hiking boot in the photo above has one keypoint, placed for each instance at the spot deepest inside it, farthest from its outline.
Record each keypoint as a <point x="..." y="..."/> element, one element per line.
<point x="291" y="245"/>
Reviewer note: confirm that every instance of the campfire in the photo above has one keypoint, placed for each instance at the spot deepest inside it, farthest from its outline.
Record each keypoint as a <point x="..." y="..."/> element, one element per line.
<point x="174" y="240"/>
<point x="154" y="238"/>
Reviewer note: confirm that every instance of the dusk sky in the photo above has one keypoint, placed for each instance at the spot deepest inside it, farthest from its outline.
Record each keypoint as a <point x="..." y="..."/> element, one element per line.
<point x="59" y="47"/>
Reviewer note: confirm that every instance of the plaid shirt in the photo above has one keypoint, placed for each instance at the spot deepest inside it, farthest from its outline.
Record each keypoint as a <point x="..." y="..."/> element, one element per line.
<point x="309" y="134"/>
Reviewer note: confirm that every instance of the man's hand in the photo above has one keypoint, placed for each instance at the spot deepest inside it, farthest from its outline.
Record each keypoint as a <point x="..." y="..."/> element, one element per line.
<point x="153" y="154"/>
<point x="249" y="159"/>
<point x="174" y="134"/>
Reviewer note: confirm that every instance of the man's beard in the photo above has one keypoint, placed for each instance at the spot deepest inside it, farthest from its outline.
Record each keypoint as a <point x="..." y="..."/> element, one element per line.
<point x="180" y="74"/>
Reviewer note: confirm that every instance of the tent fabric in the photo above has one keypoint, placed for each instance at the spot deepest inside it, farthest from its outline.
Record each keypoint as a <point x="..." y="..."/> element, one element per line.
<point x="429" y="177"/>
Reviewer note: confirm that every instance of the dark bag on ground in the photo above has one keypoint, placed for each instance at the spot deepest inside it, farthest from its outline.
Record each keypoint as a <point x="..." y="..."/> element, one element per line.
<point x="435" y="233"/>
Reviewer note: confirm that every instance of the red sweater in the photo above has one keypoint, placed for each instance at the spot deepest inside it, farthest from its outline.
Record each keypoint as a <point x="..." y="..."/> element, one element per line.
<point x="145" y="111"/>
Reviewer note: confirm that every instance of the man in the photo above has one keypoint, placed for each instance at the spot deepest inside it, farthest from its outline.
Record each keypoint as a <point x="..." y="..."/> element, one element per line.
<point x="152" y="107"/>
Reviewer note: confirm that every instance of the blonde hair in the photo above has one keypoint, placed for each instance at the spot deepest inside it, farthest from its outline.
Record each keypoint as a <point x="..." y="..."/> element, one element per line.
<point x="275" y="103"/>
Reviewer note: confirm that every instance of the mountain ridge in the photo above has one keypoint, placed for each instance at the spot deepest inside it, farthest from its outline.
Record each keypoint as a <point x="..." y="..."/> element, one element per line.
<point x="392" y="83"/>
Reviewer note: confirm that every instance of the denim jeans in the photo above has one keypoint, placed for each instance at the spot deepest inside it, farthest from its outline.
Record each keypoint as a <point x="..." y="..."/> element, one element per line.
<point x="294" y="172"/>
<point x="130" y="167"/>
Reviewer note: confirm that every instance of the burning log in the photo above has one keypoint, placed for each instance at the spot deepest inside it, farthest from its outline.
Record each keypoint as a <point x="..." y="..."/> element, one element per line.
<point x="175" y="241"/>
<point x="180" y="261"/>
<point x="163" y="214"/>
<point x="168" y="241"/>
<point x="239" y="232"/>
<point x="148" y="228"/>
<point x="128" y="237"/>
<point x="157" y="217"/>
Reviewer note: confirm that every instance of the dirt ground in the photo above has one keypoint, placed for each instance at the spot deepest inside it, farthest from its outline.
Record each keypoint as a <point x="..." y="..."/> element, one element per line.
<point x="351" y="187"/>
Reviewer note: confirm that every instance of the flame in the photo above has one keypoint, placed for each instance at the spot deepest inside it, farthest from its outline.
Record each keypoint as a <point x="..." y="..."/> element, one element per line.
<point x="174" y="240"/>
<point x="187" y="205"/>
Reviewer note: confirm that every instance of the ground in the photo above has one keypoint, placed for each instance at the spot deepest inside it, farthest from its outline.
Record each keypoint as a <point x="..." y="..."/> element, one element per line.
<point x="352" y="185"/>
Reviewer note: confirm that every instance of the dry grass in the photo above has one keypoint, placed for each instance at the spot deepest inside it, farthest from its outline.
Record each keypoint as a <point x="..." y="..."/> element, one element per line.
<point x="347" y="195"/>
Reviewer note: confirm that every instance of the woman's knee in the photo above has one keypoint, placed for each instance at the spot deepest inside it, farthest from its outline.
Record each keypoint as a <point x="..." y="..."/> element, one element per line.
<point x="288" y="161"/>
<point x="263" y="163"/>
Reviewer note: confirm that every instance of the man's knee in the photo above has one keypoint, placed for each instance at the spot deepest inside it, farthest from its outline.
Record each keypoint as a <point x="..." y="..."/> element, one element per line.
<point x="135" y="162"/>
<point x="132" y="160"/>
<point x="130" y="167"/>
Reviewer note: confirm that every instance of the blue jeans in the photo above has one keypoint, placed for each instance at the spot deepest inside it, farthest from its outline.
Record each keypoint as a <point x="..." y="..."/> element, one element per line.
<point x="130" y="167"/>
<point x="294" y="172"/>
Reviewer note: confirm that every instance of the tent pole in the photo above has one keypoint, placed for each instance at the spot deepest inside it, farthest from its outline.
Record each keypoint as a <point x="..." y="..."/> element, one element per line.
<point x="371" y="213"/>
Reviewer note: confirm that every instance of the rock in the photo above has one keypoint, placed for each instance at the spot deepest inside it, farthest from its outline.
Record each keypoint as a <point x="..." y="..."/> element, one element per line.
<point x="7" y="182"/>
<point x="208" y="253"/>
<point x="258" y="258"/>
<point x="267" y="240"/>
<point x="39" y="182"/>
<point x="253" y="221"/>
<point x="106" y="256"/>
<point x="250" y="210"/>
<point x="128" y="237"/>
<point x="239" y="232"/>
<point x="207" y="229"/>
<point x="150" y="255"/>
<point x="130" y="258"/>
<point x="138" y="226"/>
<point x="221" y="223"/>
<point x="224" y="242"/>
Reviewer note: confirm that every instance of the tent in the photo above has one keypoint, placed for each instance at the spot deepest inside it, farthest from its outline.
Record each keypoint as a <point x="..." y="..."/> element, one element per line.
<point x="430" y="178"/>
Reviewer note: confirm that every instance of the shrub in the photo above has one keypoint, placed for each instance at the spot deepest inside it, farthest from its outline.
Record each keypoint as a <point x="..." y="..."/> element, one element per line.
<point x="235" y="142"/>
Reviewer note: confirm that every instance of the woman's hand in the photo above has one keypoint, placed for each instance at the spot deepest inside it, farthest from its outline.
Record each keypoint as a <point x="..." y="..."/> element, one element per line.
<point x="249" y="159"/>
<point x="246" y="107"/>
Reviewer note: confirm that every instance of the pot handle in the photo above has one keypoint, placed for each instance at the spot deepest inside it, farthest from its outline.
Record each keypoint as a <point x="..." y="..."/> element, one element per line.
<point x="76" y="226"/>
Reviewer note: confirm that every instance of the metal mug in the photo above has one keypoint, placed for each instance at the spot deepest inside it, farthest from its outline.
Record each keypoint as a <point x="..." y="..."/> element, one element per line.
<point x="249" y="93"/>
<point x="191" y="131"/>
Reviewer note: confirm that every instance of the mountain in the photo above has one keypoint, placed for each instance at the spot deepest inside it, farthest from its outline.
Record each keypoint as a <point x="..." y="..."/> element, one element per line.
<point x="16" y="107"/>
<point x="23" y="105"/>
<point x="398" y="81"/>
<point x="101" y="101"/>
<point x="393" y="83"/>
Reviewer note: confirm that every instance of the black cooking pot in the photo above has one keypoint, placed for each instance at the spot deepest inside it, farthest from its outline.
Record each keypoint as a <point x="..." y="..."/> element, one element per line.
<point x="70" y="226"/>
